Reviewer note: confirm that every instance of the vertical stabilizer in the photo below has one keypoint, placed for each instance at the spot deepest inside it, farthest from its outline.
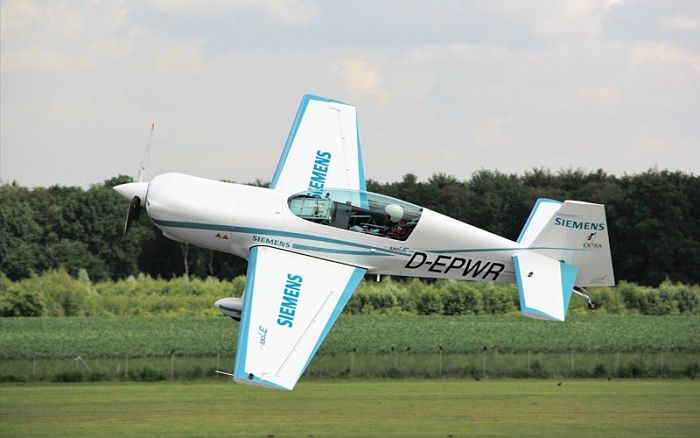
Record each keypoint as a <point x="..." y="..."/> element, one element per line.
<point x="574" y="232"/>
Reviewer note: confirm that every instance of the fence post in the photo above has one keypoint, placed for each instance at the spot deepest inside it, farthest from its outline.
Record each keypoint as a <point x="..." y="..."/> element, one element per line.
<point x="440" y="362"/>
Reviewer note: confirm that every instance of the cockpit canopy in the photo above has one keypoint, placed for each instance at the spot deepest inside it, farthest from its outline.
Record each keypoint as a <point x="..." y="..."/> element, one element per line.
<point x="359" y="211"/>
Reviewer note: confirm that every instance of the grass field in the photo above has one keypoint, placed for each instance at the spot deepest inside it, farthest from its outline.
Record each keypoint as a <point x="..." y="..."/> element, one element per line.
<point x="356" y="408"/>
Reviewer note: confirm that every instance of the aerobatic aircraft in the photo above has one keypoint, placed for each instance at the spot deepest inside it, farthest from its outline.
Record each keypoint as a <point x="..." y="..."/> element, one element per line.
<point x="316" y="232"/>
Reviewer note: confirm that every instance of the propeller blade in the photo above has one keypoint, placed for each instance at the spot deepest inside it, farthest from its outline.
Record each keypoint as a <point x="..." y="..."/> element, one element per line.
<point x="132" y="213"/>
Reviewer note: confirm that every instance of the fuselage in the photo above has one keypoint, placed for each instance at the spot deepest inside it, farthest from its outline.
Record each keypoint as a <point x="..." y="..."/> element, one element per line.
<point x="233" y="218"/>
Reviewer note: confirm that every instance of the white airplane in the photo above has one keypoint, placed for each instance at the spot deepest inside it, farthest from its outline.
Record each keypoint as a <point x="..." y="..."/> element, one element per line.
<point x="316" y="232"/>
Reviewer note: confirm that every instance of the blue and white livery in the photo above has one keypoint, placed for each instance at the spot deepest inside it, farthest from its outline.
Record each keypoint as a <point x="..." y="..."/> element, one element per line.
<point x="312" y="236"/>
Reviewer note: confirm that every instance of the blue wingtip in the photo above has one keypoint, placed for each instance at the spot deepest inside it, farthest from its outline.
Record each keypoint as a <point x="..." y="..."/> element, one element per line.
<point x="308" y="97"/>
<point x="533" y="212"/>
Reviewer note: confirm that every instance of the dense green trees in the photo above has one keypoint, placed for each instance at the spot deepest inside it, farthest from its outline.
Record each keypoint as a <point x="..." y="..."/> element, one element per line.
<point x="73" y="229"/>
<point x="653" y="217"/>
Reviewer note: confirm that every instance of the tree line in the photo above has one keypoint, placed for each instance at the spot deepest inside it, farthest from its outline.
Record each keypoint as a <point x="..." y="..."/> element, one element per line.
<point x="653" y="221"/>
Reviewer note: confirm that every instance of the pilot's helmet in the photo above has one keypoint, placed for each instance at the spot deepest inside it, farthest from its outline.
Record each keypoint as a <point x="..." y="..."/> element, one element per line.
<point x="394" y="211"/>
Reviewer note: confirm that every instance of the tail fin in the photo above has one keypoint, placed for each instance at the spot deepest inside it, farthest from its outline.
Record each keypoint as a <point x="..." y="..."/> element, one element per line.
<point x="574" y="232"/>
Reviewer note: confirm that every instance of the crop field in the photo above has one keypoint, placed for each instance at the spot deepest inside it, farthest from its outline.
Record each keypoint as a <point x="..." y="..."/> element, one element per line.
<point x="162" y="348"/>
<point x="356" y="408"/>
<point x="26" y="338"/>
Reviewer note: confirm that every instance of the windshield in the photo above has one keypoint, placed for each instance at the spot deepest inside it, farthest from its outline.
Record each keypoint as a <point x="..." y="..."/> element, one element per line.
<point x="362" y="212"/>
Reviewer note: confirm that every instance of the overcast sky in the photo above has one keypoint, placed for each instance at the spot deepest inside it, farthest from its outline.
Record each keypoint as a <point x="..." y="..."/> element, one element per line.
<point x="452" y="86"/>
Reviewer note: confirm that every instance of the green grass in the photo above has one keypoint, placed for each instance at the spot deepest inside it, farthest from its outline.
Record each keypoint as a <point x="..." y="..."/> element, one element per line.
<point x="157" y="336"/>
<point x="356" y="408"/>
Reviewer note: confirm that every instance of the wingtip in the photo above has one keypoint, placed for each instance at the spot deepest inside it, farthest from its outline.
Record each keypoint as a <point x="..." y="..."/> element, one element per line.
<point x="323" y="99"/>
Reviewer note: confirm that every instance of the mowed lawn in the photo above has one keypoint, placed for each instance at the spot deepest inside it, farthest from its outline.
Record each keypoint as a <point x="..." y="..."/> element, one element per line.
<point x="356" y="408"/>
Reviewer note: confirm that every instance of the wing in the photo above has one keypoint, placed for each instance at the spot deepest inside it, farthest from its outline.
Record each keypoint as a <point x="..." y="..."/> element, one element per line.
<point x="322" y="150"/>
<point x="290" y="304"/>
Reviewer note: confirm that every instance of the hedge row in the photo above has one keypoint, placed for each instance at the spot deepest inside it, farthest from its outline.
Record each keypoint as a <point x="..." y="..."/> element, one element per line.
<point x="55" y="293"/>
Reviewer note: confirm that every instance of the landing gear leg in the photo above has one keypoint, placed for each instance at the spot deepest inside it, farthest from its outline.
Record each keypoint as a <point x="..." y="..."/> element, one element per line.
<point x="592" y="305"/>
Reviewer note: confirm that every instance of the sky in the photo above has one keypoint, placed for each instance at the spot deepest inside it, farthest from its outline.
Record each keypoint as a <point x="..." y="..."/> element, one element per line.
<point x="439" y="86"/>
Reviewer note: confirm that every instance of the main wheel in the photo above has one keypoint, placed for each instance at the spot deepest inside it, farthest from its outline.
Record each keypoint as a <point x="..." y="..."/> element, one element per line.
<point x="592" y="305"/>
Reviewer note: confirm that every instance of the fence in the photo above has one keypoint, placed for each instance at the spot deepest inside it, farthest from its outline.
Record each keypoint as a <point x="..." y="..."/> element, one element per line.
<point x="354" y="364"/>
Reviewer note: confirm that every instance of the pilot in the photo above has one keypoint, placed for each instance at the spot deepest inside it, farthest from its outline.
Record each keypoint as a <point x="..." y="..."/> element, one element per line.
<point x="396" y="225"/>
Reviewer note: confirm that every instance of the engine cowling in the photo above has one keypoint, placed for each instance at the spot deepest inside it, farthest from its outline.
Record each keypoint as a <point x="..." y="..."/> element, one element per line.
<point x="231" y="306"/>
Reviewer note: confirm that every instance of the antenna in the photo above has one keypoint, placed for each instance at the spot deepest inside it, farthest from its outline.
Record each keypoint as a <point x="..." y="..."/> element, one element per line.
<point x="146" y="154"/>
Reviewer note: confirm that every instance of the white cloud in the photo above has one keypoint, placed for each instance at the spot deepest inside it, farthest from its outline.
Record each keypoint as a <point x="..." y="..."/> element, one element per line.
<point x="679" y="23"/>
<point x="290" y="12"/>
<point x="60" y="37"/>
<point x="361" y="78"/>
<point x="555" y="22"/>
<point x="82" y="82"/>
<point x="665" y="53"/>
<point x="491" y="132"/>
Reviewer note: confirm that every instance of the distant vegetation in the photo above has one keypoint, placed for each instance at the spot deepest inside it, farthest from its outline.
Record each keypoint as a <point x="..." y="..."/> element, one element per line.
<point x="56" y="293"/>
<point x="653" y="218"/>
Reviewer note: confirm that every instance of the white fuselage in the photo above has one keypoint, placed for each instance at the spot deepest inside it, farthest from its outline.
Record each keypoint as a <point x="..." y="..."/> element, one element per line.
<point x="233" y="218"/>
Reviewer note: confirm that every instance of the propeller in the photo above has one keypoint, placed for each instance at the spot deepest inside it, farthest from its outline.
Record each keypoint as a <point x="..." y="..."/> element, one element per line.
<point x="136" y="191"/>
<point x="133" y="213"/>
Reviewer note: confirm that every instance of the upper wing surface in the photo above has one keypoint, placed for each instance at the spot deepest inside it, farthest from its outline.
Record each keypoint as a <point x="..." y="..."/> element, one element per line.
<point x="322" y="150"/>
<point x="290" y="304"/>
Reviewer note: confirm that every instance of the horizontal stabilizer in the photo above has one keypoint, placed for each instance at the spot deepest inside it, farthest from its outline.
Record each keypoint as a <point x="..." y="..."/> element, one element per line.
<point x="544" y="285"/>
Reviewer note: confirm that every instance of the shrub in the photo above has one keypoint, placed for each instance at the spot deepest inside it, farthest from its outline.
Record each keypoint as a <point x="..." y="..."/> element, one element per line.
<point x="394" y="373"/>
<point x="631" y="295"/>
<point x="99" y="376"/>
<point x="194" y="373"/>
<point x="688" y="298"/>
<point x="600" y="370"/>
<point x="608" y="300"/>
<point x="55" y="293"/>
<point x="460" y="298"/>
<point x="537" y="370"/>
<point x="428" y="302"/>
<point x="62" y="294"/>
<point x="633" y="369"/>
<point x="17" y="302"/>
<point x="11" y="378"/>
<point x="498" y="298"/>
<point x="581" y="373"/>
<point x="146" y="374"/>
<point x="68" y="376"/>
